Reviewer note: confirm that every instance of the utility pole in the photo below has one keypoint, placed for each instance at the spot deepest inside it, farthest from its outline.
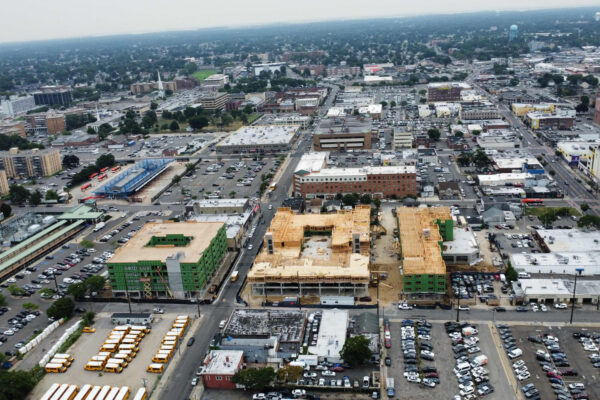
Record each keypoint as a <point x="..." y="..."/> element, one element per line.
<point x="458" y="309"/>
<point x="579" y="271"/>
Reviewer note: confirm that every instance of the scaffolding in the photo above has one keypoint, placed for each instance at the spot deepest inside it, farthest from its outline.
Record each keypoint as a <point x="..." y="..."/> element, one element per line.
<point x="133" y="179"/>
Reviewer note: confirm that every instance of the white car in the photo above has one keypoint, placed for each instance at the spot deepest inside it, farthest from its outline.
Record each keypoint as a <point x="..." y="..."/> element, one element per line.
<point x="222" y="324"/>
<point x="9" y="332"/>
<point x="404" y="306"/>
<point x="543" y="308"/>
<point x="524" y="376"/>
<point x="560" y="306"/>
<point x="463" y="308"/>
<point x="518" y="364"/>
<point x="328" y="373"/>
<point x="310" y="374"/>
<point x="427" y="353"/>
<point x="577" y="385"/>
<point x="194" y="381"/>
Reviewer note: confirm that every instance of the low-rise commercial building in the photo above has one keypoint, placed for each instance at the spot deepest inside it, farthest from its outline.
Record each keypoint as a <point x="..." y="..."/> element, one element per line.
<point x="259" y="139"/>
<point x="215" y="82"/>
<point x="214" y="100"/>
<point x="558" y="121"/>
<point x="575" y="152"/>
<point x="218" y="206"/>
<point x="445" y="91"/>
<point x="522" y="109"/>
<point x="339" y="133"/>
<point x="219" y="367"/>
<point x="30" y="163"/>
<point x="314" y="254"/>
<point x="13" y="128"/>
<point x="512" y="178"/>
<point x="422" y="230"/>
<point x="551" y="291"/>
<point x="403" y="139"/>
<point x="468" y="113"/>
<point x="168" y="259"/>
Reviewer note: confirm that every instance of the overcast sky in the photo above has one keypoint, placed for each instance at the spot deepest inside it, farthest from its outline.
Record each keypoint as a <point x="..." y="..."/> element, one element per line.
<point x="25" y="20"/>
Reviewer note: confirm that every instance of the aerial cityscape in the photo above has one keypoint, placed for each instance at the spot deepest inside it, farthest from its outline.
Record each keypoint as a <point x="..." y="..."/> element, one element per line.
<point x="387" y="206"/>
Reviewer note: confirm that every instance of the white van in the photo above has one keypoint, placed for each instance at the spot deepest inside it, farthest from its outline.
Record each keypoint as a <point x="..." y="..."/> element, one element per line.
<point x="524" y="275"/>
<point x="515" y="353"/>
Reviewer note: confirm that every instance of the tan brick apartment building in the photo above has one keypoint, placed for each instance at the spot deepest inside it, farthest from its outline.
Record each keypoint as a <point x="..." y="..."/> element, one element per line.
<point x="30" y="163"/>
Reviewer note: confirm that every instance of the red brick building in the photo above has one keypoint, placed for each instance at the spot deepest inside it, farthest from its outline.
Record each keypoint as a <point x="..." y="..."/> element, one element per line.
<point x="597" y="109"/>
<point x="379" y="182"/>
<point x="219" y="367"/>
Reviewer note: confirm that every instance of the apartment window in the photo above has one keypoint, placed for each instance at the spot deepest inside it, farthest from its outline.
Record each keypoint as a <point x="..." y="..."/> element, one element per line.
<point x="218" y="377"/>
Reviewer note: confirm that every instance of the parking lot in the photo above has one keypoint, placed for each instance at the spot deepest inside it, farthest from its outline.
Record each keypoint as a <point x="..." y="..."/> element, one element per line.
<point x="89" y="345"/>
<point x="577" y="357"/>
<point x="225" y="178"/>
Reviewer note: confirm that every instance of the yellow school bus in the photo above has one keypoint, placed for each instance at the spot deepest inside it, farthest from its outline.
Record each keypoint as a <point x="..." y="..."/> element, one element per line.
<point x="57" y="368"/>
<point x="156" y="368"/>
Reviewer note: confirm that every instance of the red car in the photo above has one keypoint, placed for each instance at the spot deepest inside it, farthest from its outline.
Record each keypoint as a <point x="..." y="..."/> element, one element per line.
<point x="432" y="375"/>
<point x="568" y="372"/>
<point x="388" y="343"/>
<point x="498" y="227"/>
<point x="552" y="374"/>
<point x="337" y="369"/>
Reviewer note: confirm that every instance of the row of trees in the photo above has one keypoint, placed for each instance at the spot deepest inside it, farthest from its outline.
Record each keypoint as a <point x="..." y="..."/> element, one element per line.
<point x="105" y="160"/>
<point x="9" y="141"/>
<point x="90" y="285"/>
<point x="19" y="195"/>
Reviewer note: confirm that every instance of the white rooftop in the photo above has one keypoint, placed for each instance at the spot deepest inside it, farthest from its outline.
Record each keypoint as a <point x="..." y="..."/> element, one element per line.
<point x="332" y="334"/>
<point x="515" y="162"/>
<point x="570" y="239"/>
<point x="222" y="362"/>
<point x="563" y="262"/>
<point x="557" y="287"/>
<point x="261" y="135"/>
<point x="334" y="112"/>
<point x="221" y="202"/>
<point x="363" y="171"/>
<point x="506" y="176"/>
<point x="464" y="242"/>
<point x="312" y="161"/>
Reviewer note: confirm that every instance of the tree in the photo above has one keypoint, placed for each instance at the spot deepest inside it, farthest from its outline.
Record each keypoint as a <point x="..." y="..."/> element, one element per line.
<point x="15" y="290"/>
<point x="383" y="104"/>
<point x="91" y="131"/>
<point x="434" y="134"/>
<point x="87" y="244"/>
<point x="365" y="199"/>
<point x="16" y="384"/>
<point x="174" y="126"/>
<point x="3" y="302"/>
<point x="51" y="195"/>
<point x="153" y="106"/>
<point x="166" y="114"/>
<point x="589" y="221"/>
<point x="176" y="179"/>
<point x="77" y="290"/>
<point x="61" y="308"/>
<point x="254" y="378"/>
<point x="392" y="104"/>
<point x="6" y="210"/>
<point x="350" y="199"/>
<point x="476" y="132"/>
<point x="95" y="283"/>
<point x="377" y="203"/>
<point x="18" y="194"/>
<point x="226" y="119"/>
<point x="70" y="161"/>
<point x="29" y="306"/>
<point x="232" y="194"/>
<point x="356" y="350"/>
<point x="511" y="273"/>
<point x="585" y="207"/>
<point x="289" y="373"/>
<point x="198" y="122"/>
<point x="105" y="160"/>
<point x="247" y="109"/>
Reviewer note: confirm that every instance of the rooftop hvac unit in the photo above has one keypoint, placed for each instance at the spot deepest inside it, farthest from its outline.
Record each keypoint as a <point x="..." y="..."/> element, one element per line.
<point x="426" y="232"/>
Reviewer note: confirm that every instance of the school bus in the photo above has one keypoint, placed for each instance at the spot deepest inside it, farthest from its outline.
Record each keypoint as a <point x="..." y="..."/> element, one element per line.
<point x="51" y="390"/>
<point x="160" y="358"/>
<point x="170" y="339"/>
<point x="113" y="393"/>
<point x="167" y="347"/>
<point x="121" y="356"/>
<point x="70" y="393"/>
<point x="64" y="355"/>
<point x="55" y="368"/>
<point x="156" y="368"/>
<point x="59" y="392"/>
<point x="63" y="361"/>
<point x="234" y="276"/>
<point x="108" y="347"/>
<point x="104" y="353"/>
<point x="103" y="392"/>
<point x="94" y="366"/>
<point x="83" y="392"/>
<point x="87" y="329"/>
<point x="94" y="392"/>
<point x="99" y="358"/>
<point x="119" y="361"/>
<point x="141" y="394"/>
<point x="123" y="393"/>
<point x="113" y="341"/>
<point x="133" y="347"/>
<point x="138" y="333"/>
<point x="140" y="328"/>
<point x="121" y="328"/>
<point x="116" y="368"/>
<point x="170" y="343"/>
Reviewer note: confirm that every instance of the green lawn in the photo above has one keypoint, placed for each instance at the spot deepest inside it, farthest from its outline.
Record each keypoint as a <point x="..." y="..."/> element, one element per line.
<point x="253" y="117"/>
<point x="202" y="75"/>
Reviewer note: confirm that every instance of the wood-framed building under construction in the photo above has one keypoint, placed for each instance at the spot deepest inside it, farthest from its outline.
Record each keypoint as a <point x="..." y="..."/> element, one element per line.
<point x="314" y="254"/>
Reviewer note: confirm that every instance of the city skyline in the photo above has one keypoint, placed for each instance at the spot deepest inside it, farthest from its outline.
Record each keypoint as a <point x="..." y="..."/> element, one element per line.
<point x="102" y="19"/>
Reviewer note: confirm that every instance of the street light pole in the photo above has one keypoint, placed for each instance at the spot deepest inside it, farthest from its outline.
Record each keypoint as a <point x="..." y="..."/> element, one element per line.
<point x="579" y="270"/>
<point x="458" y="308"/>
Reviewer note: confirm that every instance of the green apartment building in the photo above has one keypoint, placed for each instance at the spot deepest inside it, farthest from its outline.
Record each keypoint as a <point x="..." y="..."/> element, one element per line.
<point x="168" y="259"/>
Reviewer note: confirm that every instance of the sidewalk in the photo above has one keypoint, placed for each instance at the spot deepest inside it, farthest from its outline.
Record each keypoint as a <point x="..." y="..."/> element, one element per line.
<point x="508" y="372"/>
<point x="172" y="366"/>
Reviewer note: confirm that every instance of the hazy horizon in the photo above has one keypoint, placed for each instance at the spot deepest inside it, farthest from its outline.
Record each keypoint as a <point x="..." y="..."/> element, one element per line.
<point x="111" y="17"/>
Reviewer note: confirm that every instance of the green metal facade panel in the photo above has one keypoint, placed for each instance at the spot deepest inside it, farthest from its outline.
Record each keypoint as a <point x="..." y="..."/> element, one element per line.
<point x="446" y="229"/>
<point x="425" y="283"/>
<point x="194" y="276"/>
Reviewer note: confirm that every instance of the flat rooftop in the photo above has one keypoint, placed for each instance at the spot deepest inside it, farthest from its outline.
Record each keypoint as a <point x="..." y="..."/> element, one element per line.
<point x="287" y="325"/>
<point x="364" y="171"/>
<point x="222" y="362"/>
<point x="138" y="248"/>
<point x="312" y="161"/>
<point x="420" y="238"/>
<point x="465" y="242"/>
<point x="261" y="135"/>
<point x="570" y="240"/>
<point x="208" y="203"/>
<point x="564" y="287"/>
<point x="332" y="334"/>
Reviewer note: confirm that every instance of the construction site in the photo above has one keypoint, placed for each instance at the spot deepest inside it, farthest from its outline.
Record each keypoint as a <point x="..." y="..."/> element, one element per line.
<point x="314" y="254"/>
<point x="422" y="233"/>
<point x="174" y="259"/>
